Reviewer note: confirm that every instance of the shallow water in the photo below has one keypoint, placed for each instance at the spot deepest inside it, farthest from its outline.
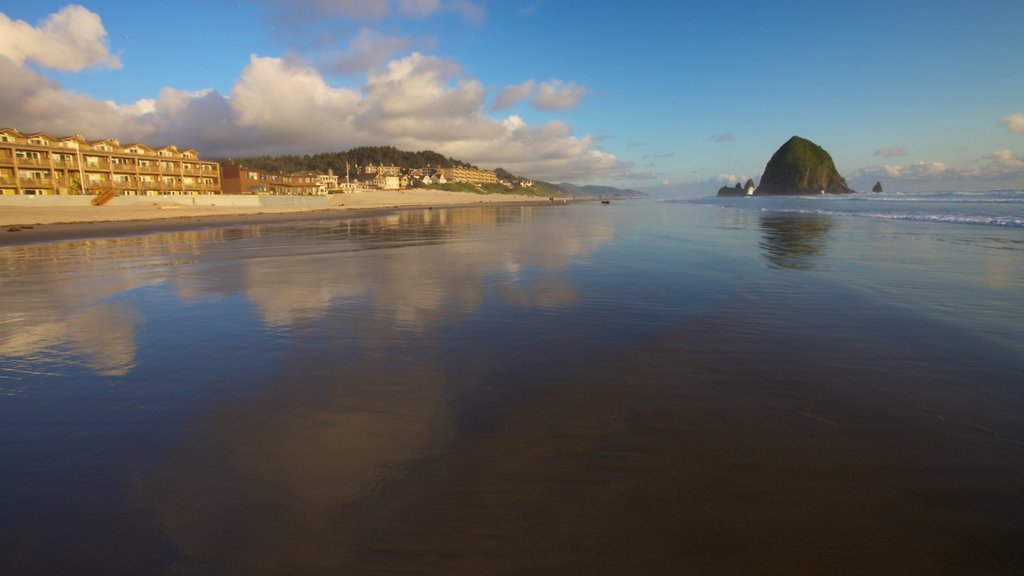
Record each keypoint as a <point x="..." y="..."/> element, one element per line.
<point x="643" y="386"/>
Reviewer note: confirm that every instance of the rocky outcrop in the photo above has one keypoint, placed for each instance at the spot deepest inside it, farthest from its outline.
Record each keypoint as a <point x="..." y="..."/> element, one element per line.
<point x="877" y="187"/>
<point x="726" y="191"/>
<point x="801" y="167"/>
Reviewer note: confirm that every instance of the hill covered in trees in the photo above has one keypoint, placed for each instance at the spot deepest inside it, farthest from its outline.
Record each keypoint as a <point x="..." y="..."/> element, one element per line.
<point x="356" y="157"/>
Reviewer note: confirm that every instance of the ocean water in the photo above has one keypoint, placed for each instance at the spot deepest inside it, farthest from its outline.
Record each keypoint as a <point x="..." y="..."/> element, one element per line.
<point x="828" y="385"/>
<point x="992" y="208"/>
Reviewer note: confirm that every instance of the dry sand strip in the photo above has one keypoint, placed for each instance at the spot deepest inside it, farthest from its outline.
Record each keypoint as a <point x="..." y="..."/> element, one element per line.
<point x="30" y="224"/>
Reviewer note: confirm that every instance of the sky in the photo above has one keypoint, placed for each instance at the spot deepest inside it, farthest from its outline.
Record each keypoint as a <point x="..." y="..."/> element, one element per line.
<point x="674" y="98"/>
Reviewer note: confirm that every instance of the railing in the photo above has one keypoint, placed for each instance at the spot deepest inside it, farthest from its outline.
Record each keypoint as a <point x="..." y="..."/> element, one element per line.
<point x="6" y="160"/>
<point x="33" y="161"/>
<point x="149" y="168"/>
<point x="36" y="182"/>
<point x="123" y="167"/>
<point x="97" y="165"/>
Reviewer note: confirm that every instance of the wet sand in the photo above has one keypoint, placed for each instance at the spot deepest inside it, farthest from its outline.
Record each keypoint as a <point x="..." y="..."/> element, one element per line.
<point x="717" y="451"/>
<point x="555" y="391"/>
<point x="25" y="224"/>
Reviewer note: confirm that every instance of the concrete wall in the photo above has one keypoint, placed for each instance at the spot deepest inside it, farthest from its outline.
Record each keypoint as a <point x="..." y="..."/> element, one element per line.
<point x="233" y="200"/>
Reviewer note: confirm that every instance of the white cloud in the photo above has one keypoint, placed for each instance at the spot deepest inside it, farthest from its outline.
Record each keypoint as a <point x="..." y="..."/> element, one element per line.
<point x="916" y="170"/>
<point x="418" y="8"/>
<point x="291" y="12"/>
<point x="69" y="40"/>
<point x="891" y="152"/>
<point x="512" y="95"/>
<point x="726" y="137"/>
<point x="558" y="95"/>
<point x="367" y="50"/>
<point x="471" y="12"/>
<point x="1002" y="167"/>
<point x="1004" y="162"/>
<point x="1014" y="123"/>
<point x="280" y="106"/>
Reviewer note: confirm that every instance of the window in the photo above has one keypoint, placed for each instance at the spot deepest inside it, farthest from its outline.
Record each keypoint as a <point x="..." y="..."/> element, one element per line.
<point x="38" y="142"/>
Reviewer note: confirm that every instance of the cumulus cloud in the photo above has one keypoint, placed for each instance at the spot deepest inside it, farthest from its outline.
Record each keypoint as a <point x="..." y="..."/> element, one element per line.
<point x="1004" y="162"/>
<point x="558" y="95"/>
<point x="280" y="106"/>
<point x="725" y="137"/>
<point x="1014" y="123"/>
<point x="916" y="170"/>
<point x="1002" y="167"/>
<point x="418" y="8"/>
<point x="512" y="95"/>
<point x="471" y="12"/>
<point x="891" y="152"/>
<point x="69" y="40"/>
<point x="373" y="10"/>
<point x="367" y="50"/>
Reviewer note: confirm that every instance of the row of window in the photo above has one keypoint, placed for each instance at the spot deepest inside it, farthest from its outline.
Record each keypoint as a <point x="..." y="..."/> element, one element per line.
<point x="6" y="138"/>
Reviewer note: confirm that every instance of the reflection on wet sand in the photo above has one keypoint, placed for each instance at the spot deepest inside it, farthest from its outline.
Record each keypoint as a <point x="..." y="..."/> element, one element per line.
<point x="296" y="279"/>
<point x="61" y="301"/>
<point x="668" y="454"/>
<point x="794" y="242"/>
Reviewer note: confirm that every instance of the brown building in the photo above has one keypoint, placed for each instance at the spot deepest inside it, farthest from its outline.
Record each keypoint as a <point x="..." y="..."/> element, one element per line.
<point x="40" y="164"/>
<point x="237" y="179"/>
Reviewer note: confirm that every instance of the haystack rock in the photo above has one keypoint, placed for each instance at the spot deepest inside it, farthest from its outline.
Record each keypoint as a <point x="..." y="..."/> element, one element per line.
<point x="801" y="167"/>
<point x="877" y="188"/>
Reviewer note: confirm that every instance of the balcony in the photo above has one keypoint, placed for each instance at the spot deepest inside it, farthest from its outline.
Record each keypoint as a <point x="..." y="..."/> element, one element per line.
<point x="36" y="182"/>
<point x="100" y="165"/>
<point x="6" y="160"/>
<point x="149" y="168"/>
<point x="123" y="168"/>
<point x="33" y="161"/>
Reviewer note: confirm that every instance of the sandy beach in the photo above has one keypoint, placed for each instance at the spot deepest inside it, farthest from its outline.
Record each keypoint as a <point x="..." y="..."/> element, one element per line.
<point x="20" y="224"/>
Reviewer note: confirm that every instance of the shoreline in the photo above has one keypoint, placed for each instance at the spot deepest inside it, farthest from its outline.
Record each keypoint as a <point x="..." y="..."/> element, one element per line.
<point x="20" y="225"/>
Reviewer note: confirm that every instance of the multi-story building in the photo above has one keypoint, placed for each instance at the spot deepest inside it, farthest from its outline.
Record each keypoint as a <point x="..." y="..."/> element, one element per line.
<point x="237" y="179"/>
<point x="470" y="175"/>
<point x="41" y="164"/>
<point x="382" y="170"/>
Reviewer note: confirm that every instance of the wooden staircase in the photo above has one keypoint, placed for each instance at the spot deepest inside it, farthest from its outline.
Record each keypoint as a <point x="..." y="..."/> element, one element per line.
<point x="103" y="195"/>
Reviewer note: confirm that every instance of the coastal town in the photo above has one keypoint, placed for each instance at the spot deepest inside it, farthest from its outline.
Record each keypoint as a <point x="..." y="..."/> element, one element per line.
<point x="38" y="164"/>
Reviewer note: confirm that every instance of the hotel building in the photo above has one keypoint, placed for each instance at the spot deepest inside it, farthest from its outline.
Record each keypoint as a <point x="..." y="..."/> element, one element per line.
<point x="40" y="164"/>
<point x="470" y="175"/>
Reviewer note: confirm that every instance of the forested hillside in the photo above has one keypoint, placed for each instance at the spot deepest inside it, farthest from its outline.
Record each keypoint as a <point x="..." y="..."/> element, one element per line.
<point x="356" y="157"/>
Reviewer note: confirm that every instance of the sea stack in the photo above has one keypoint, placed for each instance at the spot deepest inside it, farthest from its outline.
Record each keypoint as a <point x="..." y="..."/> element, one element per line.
<point x="801" y="167"/>
<point x="877" y="187"/>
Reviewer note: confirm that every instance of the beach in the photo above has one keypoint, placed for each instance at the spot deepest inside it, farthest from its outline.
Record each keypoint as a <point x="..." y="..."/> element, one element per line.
<point x="518" y="389"/>
<point x="26" y="223"/>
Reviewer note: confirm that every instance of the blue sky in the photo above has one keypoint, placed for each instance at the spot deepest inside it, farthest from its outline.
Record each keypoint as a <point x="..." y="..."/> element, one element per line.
<point x="669" y="97"/>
